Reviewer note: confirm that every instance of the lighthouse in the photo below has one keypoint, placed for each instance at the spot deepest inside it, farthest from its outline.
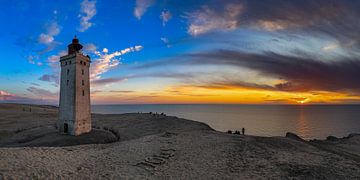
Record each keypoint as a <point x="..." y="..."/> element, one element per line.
<point x="74" y="107"/>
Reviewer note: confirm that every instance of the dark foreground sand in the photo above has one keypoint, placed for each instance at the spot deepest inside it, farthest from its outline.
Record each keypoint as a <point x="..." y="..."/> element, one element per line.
<point x="161" y="147"/>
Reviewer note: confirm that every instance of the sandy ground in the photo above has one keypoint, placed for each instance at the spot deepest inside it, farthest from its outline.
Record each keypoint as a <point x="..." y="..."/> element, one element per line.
<point x="163" y="147"/>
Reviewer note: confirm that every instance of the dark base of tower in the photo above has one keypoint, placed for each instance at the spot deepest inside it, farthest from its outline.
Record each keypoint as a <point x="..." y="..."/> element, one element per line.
<point x="49" y="136"/>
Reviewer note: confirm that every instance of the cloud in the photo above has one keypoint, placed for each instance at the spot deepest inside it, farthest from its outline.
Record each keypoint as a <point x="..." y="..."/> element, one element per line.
<point x="4" y="94"/>
<point x="334" y="19"/>
<point x="165" y="16"/>
<point x="166" y="41"/>
<point x="141" y="7"/>
<point x="87" y="12"/>
<point x="122" y="91"/>
<point x="106" y="81"/>
<point x="50" y="78"/>
<point x="54" y="60"/>
<point x="47" y="38"/>
<point x="233" y="84"/>
<point x="330" y="47"/>
<point x="35" y="84"/>
<point x="6" y="97"/>
<point x="106" y="61"/>
<point x="272" y="25"/>
<point x="43" y="93"/>
<point x="208" y="19"/>
<point x="89" y="48"/>
<point x="31" y="59"/>
<point x="298" y="74"/>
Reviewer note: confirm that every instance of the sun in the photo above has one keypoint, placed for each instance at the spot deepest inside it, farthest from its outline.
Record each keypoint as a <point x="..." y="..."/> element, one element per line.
<point x="303" y="101"/>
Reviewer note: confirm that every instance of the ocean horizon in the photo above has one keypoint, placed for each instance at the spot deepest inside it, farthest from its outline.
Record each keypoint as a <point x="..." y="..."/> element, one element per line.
<point x="308" y="121"/>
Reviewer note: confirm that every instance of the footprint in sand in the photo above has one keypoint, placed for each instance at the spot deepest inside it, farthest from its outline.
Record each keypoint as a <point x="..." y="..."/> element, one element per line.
<point x="150" y="163"/>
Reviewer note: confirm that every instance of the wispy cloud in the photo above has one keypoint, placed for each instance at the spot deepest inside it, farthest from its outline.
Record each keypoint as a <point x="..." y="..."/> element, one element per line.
<point x="106" y="61"/>
<point x="141" y="7"/>
<point x="208" y="19"/>
<point x="122" y="91"/>
<point x="53" y="63"/>
<point x="106" y="81"/>
<point x="50" y="78"/>
<point x="330" y="47"/>
<point x="43" y="93"/>
<point x="6" y="97"/>
<point x="166" y="41"/>
<point x="53" y="60"/>
<point x="35" y="84"/>
<point x="87" y="12"/>
<point x="331" y="18"/>
<point x="52" y="29"/>
<point x="47" y="38"/>
<point x="165" y="16"/>
<point x="89" y="48"/>
<point x="32" y="60"/>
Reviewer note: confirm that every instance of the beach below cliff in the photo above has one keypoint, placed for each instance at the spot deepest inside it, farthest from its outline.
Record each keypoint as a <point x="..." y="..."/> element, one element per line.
<point x="153" y="146"/>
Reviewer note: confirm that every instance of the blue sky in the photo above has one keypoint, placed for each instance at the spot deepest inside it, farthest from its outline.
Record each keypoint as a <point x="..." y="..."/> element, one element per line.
<point x="168" y="51"/>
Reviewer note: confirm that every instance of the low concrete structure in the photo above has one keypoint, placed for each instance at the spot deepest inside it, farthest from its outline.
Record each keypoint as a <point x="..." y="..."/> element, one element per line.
<point x="74" y="112"/>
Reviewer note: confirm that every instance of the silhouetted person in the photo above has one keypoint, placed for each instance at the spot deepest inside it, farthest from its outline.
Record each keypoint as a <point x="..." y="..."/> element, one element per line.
<point x="243" y="131"/>
<point x="229" y="132"/>
<point x="237" y="132"/>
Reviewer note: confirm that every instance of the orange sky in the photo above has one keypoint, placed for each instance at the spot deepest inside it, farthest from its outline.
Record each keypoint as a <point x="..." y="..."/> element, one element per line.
<point x="192" y="94"/>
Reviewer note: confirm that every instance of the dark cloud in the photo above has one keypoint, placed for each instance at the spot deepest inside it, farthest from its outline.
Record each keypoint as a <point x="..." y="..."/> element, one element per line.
<point x="122" y="91"/>
<point x="106" y="81"/>
<point x="337" y="19"/>
<point x="50" y="78"/>
<point x="35" y="84"/>
<point x="231" y="84"/>
<point x="141" y="97"/>
<point x="299" y="74"/>
<point x="174" y="75"/>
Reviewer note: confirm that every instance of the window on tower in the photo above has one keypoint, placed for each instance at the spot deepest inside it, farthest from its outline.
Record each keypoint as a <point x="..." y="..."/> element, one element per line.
<point x="83" y="83"/>
<point x="82" y="72"/>
<point x="67" y="82"/>
<point x="68" y="71"/>
<point x="83" y="92"/>
<point x="85" y="63"/>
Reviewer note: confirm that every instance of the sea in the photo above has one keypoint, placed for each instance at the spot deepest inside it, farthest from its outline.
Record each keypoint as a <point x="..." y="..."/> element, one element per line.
<point x="307" y="121"/>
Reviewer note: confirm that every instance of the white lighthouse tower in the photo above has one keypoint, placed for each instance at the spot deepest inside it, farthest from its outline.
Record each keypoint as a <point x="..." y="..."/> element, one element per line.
<point x="74" y="112"/>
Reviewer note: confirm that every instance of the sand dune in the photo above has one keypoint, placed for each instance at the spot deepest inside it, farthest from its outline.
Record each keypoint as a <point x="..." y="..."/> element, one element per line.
<point x="158" y="147"/>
